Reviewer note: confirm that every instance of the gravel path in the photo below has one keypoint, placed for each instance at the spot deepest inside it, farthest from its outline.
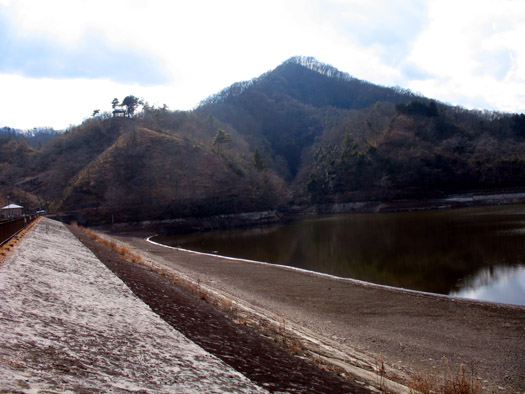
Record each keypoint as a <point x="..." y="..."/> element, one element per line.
<point x="69" y="325"/>
<point x="360" y="326"/>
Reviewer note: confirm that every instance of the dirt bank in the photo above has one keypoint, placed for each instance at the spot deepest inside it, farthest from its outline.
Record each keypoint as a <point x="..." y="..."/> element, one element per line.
<point x="358" y="326"/>
<point x="255" y="356"/>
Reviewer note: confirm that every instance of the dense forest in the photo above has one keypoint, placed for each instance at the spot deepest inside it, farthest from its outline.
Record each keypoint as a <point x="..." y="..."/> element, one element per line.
<point x="301" y="134"/>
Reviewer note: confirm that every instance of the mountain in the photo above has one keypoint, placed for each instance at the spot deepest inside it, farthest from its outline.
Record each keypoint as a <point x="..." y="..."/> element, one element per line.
<point x="283" y="110"/>
<point x="308" y="81"/>
<point x="35" y="137"/>
<point x="335" y="138"/>
<point x="303" y="133"/>
<point x="119" y="169"/>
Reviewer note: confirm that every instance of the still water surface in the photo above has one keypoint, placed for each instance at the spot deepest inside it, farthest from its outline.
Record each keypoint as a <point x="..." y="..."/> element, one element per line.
<point x="475" y="253"/>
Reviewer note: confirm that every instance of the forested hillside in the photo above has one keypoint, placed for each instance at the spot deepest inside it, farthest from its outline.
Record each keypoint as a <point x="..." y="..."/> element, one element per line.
<point x="414" y="150"/>
<point x="284" y="110"/>
<point x="118" y="169"/>
<point x="304" y="133"/>
<point x="337" y="139"/>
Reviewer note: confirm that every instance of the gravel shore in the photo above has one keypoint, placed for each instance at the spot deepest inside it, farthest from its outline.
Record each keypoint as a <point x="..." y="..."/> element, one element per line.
<point x="356" y="326"/>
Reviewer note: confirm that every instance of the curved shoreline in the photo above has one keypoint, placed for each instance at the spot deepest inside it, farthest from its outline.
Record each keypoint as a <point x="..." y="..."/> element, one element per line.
<point x="355" y="325"/>
<point x="322" y="274"/>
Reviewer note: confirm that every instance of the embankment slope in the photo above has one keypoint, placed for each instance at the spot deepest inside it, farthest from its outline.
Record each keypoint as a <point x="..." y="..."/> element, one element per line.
<point x="360" y="326"/>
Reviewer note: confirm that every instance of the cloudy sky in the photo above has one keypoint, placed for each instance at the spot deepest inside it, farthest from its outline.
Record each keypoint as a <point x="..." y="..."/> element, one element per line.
<point x="61" y="59"/>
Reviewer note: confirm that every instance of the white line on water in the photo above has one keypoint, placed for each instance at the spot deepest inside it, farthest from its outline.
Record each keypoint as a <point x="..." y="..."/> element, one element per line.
<point x="329" y="276"/>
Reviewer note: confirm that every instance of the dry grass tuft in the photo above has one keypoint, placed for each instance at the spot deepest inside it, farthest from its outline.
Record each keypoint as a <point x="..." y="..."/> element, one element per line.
<point x="423" y="382"/>
<point x="120" y="249"/>
<point x="381" y="372"/>
<point x="226" y="304"/>
<point x="296" y="346"/>
<point x="4" y="249"/>
<point x="447" y="382"/>
<point x="137" y="259"/>
<point x="462" y="383"/>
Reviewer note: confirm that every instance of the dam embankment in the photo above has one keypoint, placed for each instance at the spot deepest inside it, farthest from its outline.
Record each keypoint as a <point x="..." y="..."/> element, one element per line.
<point x="357" y="325"/>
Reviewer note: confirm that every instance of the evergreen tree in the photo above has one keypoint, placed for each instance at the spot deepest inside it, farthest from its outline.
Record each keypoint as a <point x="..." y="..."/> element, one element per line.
<point x="221" y="138"/>
<point x="131" y="103"/>
<point x="258" y="162"/>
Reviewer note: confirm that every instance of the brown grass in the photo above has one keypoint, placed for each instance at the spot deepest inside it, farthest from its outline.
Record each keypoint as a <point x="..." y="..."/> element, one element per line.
<point x="446" y="382"/>
<point x="120" y="249"/>
<point x="226" y="304"/>
<point x="381" y="373"/>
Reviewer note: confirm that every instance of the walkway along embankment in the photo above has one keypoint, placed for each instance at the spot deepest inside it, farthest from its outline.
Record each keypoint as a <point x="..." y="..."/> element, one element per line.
<point x="69" y="325"/>
<point x="371" y="332"/>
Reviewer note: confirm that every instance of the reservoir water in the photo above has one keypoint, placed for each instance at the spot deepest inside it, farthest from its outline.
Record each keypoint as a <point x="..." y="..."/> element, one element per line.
<point x="475" y="253"/>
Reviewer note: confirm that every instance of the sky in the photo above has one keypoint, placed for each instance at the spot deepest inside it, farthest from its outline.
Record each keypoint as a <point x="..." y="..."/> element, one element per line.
<point x="62" y="59"/>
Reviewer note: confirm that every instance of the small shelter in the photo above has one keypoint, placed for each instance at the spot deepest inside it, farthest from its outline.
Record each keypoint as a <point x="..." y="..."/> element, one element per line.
<point x="119" y="112"/>
<point x="12" y="211"/>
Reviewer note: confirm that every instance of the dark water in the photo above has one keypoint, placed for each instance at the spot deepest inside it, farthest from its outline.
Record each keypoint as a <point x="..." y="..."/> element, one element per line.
<point x="475" y="253"/>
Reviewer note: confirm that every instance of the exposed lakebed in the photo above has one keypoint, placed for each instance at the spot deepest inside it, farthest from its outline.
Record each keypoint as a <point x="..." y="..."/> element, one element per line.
<point x="474" y="252"/>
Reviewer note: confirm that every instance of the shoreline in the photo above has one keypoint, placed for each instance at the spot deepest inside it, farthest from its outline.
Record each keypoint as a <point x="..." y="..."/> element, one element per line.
<point x="451" y="201"/>
<point x="253" y="219"/>
<point x="334" y="277"/>
<point x="404" y="330"/>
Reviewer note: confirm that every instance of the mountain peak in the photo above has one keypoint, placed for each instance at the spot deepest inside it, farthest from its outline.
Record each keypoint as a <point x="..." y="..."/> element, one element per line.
<point x="313" y="64"/>
<point x="310" y="82"/>
<point x="307" y="62"/>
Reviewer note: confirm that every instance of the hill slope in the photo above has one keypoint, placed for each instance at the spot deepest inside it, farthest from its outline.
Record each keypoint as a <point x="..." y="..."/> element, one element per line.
<point x="393" y="151"/>
<point x="302" y="133"/>
<point x="116" y="169"/>
<point x="340" y="139"/>
<point x="283" y="110"/>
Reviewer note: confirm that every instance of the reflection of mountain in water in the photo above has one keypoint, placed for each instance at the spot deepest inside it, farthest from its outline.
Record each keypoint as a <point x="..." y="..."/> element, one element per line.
<point x="434" y="251"/>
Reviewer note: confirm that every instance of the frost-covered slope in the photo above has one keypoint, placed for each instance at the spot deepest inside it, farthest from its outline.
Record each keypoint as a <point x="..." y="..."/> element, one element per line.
<point x="69" y="325"/>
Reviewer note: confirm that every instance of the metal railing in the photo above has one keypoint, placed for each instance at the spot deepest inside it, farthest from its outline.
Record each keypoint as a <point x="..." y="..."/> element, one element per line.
<point x="10" y="228"/>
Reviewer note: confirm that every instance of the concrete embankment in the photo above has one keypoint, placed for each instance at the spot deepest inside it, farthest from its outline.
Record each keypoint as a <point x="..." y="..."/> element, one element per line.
<point x="190" y="224"/>
<point x="356" y="326"/>
<point x="69" y="325"/>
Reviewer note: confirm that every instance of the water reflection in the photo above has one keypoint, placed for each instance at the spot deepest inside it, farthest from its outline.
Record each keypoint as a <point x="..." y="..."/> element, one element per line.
<point x="497" y="284"/>
<point x="462" y="252"/>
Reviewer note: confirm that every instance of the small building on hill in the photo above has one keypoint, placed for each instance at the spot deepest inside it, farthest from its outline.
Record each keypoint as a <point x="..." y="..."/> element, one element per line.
<point x="12" y="211"/>
<point x="119" y="113"/>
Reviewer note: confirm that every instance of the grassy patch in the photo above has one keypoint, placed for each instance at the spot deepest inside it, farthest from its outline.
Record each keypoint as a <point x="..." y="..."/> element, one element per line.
<point x="447" y="381"/>
<point x="120" y="249"/>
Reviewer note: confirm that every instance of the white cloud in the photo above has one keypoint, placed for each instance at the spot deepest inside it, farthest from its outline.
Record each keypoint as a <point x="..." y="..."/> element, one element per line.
<point x="60" y="103"/>
<point x="468" y="53"/>
<point x="474" y="52"/>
